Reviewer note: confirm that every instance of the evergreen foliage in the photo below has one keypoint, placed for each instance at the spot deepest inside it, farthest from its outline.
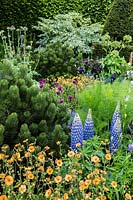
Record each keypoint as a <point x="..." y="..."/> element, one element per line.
<point x="28" y="112"/>
<point x="119" y="21"/>
<point x="26" y="13"/>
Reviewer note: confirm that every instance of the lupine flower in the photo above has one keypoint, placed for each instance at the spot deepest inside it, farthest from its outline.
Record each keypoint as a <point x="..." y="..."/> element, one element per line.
<point x="116" y="115"/>
<point x="115" y="136"/>
<point x="130" y="147"/>
<point x="76" y="132"/>
<point x="88" y="131"/>
<point x="55" y="83"/>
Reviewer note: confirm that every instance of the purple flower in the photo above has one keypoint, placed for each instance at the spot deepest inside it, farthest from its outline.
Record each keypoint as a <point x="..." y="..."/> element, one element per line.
<point x="76" y="132"/>
<point x="60" y="88"/>
<point x="41" y="83"/>
<point x="61" y="101"/>
<point x="70" y="97"/>
<point x="130" y="147"/>
<point x="75" y="81"/>
<point x="88" y="131"/>
<point x="115" y="136"/>
<point x="55" y="83"/>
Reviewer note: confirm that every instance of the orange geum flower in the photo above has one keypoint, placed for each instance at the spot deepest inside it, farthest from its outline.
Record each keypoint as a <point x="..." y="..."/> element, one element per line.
<point x="128" y="196"/>
<point x="47" y="148"/>
<point x="31" y="149"/>
<point x="71" y="154"/>
<point x="114" y="184"/>
<point x="3" y="197"/>
<point x="48" y="193"/>
<point x="58" y="179"/>
<point x="102" y="179"/>
<point x="96" y="171"/>
<point x="58" y="162"/>
<point x="96" y="181"/>
<point x="49" y="170"/>
<point x="30" y="176"/>
<point x="108" y="156"/>
<point x="88" y="195"/>
<point x="17" y="155"/>
<point x="90" y="175"/>
<point x="95" y="159"/>
<point x="28" y="168"/>
<point x="103" y="172"/>
<point x="2" y="156"/>
<point x="22" y="189"/>
<point x="103" y="197"/>
<point x="65" y="196"/>
<point x="68" y="177"/>
<point x="83" y="186"/>
<point x="105" y="189"/>
<point x="87" y="182"/>
<point x="9" y="180"/>
<point x="41" y="168"/>
<point x="27" y="154"/>
<point x="78" y="155"/>
<point x="2" y="175"/>
<point x="41" y="158"/>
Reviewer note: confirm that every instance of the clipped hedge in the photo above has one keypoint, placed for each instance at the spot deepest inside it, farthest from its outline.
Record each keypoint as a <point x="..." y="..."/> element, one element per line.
<point x="26" y="13"/>
<point x="119" y="21"/>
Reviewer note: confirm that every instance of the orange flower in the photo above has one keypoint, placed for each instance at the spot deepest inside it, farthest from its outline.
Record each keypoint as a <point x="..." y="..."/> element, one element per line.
<point x="9" y="180"/>
<point x="103" y="172"/>
<point x="3" y="197"/>
<point x="103" y="197"/>
<point x="68" y="177"/>
<point x="87" y="182"/>
<point x="58" y="162"/>
<point x="95" y="159"/>
<point x="30" y="176"/>
<point x="71" y="154"/>
<point x="41" y="168"/>
<point x="27" y="154"/>
<point x="65" y="196"/>
<point x="22" y="189"/>
<point x="83" y="186"/>
<point x="105" y="189"/>
<point x="49" y="170"/>
<point x="17" y="155"/>
<point x="96" y="171"/>
<point x="47" y="148"/>
<point x="48" y="179"/>
<point x="88" y="195"/>
<point x="31" y="149"/>
<point x="90" y="175"/>
<point x="128" y="196"/>
<point x="114" y="184"/>
<point x="102" y="179"/>
<point x="48" y="193"/>
<point x="58" y="179"/>
<point x="41" y="158"/>
<point x="2" y="175"/>
<point x="78" y="144"/>
<point x="96" y="181"/>
<point x="2" y="155"/>
<point x="78" y="155"/>
<point x="108" y="156"/>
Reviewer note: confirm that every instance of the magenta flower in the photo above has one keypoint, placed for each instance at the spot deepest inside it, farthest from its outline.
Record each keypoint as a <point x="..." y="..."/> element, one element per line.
<point x="55" y="83"/>
<point x="75" y="81"/>
<point x="59" y="88"/>
<point x="70" y="97"/>
<point x="61" y="101"/>
<point x="41" y="83"/>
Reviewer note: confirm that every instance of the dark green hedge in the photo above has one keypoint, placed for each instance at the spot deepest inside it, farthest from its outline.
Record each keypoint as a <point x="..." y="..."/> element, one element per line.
<point x="119" y="21"/>
<point x="26" y="12"/>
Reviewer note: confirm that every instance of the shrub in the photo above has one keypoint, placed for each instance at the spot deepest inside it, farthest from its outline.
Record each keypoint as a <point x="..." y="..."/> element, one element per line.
<point x="119" y="21"/>
<point x="28" y="112"/>
<point x="64" y="41"/>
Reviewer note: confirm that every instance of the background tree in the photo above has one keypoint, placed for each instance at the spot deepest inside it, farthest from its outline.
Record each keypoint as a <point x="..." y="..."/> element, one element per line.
<point x="119" y="21"/>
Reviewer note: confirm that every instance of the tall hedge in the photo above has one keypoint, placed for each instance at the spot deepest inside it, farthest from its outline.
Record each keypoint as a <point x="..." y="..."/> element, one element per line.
<point x="27" y="12"/>
<point x="119" y="21"/>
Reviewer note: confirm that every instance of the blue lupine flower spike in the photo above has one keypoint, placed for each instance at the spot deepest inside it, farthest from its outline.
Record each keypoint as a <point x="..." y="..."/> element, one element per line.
<point x="76" y="133"/>
<point x="115" y="137"/>
<point x="88" y="131"/>
<point x="115" y="116"/>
